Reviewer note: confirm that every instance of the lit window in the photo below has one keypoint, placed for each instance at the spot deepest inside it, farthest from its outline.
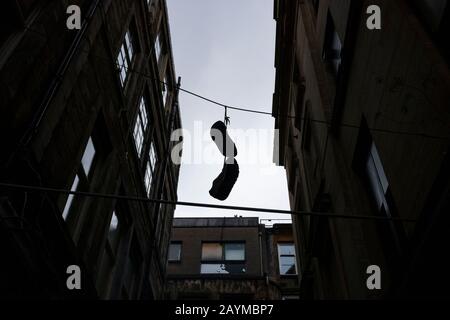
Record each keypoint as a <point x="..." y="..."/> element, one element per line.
<point x="175" y="251"/>
<point x="88" y="156"/>
<point x="286" y="259"/>
<point x="125" y="57"/>
<point x="70" y="198"/>
<point x="140" y="126"/>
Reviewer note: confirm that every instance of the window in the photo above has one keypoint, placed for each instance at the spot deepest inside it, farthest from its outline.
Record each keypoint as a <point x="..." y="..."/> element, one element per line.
<point x="125" y="57"/>
<point x="212" y="251"/>
<point x="377" y="179"/>
<point x="234" y="252"/>
<point x="222" y="268"/>
<point x="392" y="233"/>
<point x="70" y="197"/>
<point x="164" y="88"/>
<point x="80" y="178"/>
<point x="286" y="259"/>
<point x="175" y="252"/>
<point x="157" y="48"/>
<point x="88" y="156"/>
<point x="115" y="234"/>
<point x="140" y="126"/>
<point x="114" y="231"/>
<point x="223" y="258"/>
<point x="150" y="168"/>
<point x="332" y="47"/>
<point x="367" y="163"/>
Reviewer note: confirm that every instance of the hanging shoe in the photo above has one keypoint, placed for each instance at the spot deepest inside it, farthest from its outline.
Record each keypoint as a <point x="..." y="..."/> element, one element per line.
<point x="223" y="141"/>
<point x="223" y="184"/>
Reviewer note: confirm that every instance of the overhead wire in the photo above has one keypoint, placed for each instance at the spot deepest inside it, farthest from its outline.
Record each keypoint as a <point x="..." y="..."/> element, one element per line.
<point x="256" y="111"/>
<point x="201" y="205"/>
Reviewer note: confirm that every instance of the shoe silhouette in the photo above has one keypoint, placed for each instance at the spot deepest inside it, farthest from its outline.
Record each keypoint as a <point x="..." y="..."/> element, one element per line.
<point x="222" y="139"/>
<point x="223" y="184"/>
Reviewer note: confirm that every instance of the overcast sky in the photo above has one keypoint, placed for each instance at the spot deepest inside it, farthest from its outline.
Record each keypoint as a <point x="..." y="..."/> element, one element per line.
<point x="225" y="50"/>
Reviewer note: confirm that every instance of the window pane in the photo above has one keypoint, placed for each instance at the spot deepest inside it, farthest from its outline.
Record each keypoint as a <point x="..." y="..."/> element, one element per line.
<point x="379" y="167"/>
<point x="220" y="268"/>
<point x="148" y="177"/>
<point x="175" y="252"/>
<point x="287" y="265"/>
<point x="70" y="198"/>
<point x="157" y="47"/>
<point x="129" y="45"/>
<point x="234" y="251"/>
<point x="113" y="234"/>
<point x="143" y="113"/>
<point x="138" y="135"/>
<point x="125" y="57"/>
<point x="152" y="157"/>
<point x="211" y="251"/>
<point x="213" y="268"/>
<point x="286" y="249"/>
<point x="88" y="156"/>
<point x="164" y="91"/>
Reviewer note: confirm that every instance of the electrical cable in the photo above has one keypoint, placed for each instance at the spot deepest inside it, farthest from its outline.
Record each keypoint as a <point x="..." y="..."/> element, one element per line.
<point x="254" y="111"/>
<point x="201" y="205"/>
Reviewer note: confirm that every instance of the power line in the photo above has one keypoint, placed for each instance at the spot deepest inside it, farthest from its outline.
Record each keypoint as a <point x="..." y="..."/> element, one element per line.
<point x="201" y="205"/>
<point x="254" y="111"/>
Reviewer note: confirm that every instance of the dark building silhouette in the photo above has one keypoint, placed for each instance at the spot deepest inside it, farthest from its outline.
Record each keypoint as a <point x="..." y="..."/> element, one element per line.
<point x="86" y="110"/>
<point x="368" y="134"/>
<point x="231" y="258"/>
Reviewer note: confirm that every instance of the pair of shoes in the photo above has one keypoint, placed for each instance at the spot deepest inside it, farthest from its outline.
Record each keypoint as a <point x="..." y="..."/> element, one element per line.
<point x="223" y="184"/>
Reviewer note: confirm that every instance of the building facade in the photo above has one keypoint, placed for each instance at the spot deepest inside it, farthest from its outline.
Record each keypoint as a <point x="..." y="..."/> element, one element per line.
<point x="231" y="258"/>
<point x="87" y="110"/>
<point x="364" y="126"/>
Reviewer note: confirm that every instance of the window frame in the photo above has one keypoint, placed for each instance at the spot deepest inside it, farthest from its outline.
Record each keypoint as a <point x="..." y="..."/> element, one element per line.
<point x="222" y="260"/>
<point x="150" y="167"/>
<point x="280" y="255"/>
<point x="125" y="59"/>
<point x="141" y="125"/>
<point x="70" y="205"/>
<point x="180" y="253"/>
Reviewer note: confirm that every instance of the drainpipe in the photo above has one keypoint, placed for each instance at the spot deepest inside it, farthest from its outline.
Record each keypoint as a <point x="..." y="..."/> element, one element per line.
<point x="260" y="253"/>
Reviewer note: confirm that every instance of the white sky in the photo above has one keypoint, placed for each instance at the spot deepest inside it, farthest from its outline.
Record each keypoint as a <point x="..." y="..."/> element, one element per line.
<point x="224" y="50"/>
